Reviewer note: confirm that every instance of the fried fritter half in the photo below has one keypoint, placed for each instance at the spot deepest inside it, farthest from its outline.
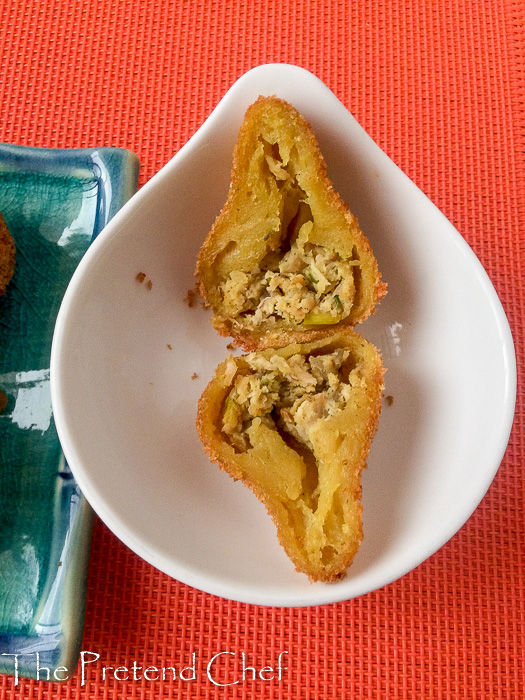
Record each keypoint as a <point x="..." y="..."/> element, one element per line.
<point x="285" y="260"/>
<point x="7" y="255"/>
<point x="295" y="424"/>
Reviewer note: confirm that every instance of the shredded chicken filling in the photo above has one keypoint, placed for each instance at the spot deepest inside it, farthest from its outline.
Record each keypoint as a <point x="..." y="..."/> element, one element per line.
<point x="311" y="285"/>
<point x="290" y="395"/>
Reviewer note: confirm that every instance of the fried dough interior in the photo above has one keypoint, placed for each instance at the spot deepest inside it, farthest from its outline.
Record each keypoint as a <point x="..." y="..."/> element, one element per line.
<point x="296" y="425"/>
<point x="298" y="281"/>
<point x="285" y="254"/>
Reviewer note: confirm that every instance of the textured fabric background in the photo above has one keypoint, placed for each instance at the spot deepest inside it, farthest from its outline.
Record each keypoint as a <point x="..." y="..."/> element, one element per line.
<point x="441" y="87"/>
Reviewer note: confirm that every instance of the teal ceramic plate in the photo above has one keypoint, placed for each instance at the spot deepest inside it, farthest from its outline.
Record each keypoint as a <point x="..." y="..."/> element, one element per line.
<point x="54" y="202"/>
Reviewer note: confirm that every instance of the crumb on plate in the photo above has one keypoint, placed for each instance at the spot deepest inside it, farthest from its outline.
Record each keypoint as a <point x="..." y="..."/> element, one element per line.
<point x="190" y="298"/>
<point x="141" y="277"/>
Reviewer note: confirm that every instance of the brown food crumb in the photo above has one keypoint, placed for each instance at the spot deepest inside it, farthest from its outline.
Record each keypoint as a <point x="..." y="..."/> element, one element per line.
<point x="3" y="401"/>
<point x="190" y="298"/>
<point x="389" y="400"/>
<point x="230" y="346"/>
<point x="169" y="347"/>
<point x="194" y="375"/>
<point x="141" y="276"/>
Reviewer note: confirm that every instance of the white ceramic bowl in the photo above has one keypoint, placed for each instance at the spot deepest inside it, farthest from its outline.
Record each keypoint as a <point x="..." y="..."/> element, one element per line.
<point x="125" y="356"/>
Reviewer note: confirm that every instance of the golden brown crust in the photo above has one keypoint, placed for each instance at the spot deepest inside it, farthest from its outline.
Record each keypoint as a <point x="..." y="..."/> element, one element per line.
<point x="276" y="145"/>
<point x="296" y="483"/>
<point x="7" y="255"/>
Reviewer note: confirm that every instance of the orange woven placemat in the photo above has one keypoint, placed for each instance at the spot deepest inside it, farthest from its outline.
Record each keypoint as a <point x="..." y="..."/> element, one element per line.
<point x="441" y="87"/>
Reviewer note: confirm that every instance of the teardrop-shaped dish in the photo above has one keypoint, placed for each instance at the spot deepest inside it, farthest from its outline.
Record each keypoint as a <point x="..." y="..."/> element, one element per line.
<point x="132" y="354"/>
